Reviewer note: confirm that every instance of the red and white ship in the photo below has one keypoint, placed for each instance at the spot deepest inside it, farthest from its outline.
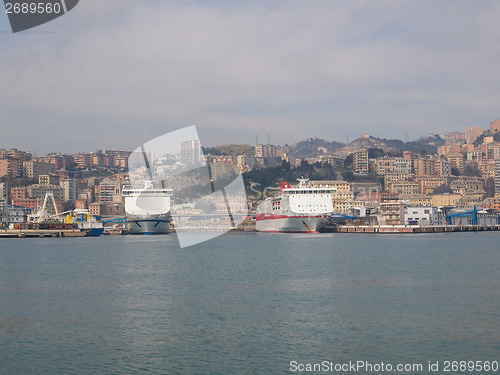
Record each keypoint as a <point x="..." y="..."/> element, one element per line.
<point x="301" y="208"/>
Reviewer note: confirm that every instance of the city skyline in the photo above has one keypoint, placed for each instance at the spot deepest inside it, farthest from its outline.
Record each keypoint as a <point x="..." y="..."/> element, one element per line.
<point x="121" y="73"/>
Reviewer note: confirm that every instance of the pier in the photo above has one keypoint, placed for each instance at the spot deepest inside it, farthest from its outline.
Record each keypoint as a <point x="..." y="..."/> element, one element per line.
<point x="23" y="233"/>
<point x="388" y="229"/>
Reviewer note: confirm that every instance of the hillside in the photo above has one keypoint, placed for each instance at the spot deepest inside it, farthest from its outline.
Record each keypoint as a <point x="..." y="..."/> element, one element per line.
<point x="389" y="145"/>
<point x="230" y="150"/>
<point x="313" y="147"/>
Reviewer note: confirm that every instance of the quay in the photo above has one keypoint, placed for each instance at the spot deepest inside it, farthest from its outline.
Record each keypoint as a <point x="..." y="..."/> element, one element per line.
<point x="23" y="233"/>
<point x="387" y="229"/>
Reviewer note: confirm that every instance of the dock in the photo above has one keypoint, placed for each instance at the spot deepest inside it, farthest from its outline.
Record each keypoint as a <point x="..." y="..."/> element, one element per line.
<point x="23" y="233"/>
<point x="388" y="229"/>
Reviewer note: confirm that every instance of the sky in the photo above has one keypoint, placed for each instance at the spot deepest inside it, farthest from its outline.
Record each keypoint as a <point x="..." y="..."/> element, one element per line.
<point x="118" y="73"/>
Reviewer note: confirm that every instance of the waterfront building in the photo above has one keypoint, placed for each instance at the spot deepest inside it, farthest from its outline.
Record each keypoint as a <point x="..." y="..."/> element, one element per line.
<point x="391" y="213"/>
<point x="12" y="215"/>
<point x="420" y="215"/>
<point x="483" y="218"/>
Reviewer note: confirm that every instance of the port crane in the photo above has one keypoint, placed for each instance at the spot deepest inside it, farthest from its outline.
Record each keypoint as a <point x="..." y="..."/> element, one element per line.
<point x="41" y="215"/>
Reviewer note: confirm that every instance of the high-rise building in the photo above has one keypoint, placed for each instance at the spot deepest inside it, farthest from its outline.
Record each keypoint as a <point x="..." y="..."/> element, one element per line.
<point x="495" y="127"/>
<point x="4" y="193"/>
<point x="70" y="190"/>
<point x="457" y="161"/>
<point x="106" y="190"/>
<point x="472" y="134"/>
<point x="497" y="176"/>
<point x="11" y="167"/>
<point x="360" y="162"/>
<point x="15" y="154"/>
<point x="33" y="169"/>
<point x="266" y="151"/>
<point x="190" y="152"/>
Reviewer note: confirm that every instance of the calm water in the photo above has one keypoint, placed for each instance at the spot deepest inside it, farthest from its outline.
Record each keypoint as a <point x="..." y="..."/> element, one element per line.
<point x="246" y="303"/>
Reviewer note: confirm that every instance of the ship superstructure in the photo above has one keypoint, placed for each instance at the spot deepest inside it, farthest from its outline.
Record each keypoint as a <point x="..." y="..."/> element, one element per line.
<point x="301" y="208"/>
<point x="147" y="209"/>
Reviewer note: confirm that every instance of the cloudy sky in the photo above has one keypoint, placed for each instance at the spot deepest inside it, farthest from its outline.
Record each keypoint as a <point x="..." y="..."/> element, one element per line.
<point x="117" y="73"/>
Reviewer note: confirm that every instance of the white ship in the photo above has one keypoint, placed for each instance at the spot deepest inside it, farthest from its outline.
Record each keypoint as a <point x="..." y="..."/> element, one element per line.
<point x="302" y="208"/>
<point x="147" y="209"/>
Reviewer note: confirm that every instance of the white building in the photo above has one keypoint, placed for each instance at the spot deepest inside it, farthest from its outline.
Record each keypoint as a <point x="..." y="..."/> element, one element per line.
<point x="421" y="215"/>
<point x="3" y="193"/>
<point x="70" y="190"/>
<point x="12" y="215"/>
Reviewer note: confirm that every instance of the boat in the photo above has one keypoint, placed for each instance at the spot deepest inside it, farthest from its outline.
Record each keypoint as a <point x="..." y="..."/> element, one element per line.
<point x="86" y="222"/>
<point x="298" y="209"/>
<point x="80" y="219"/>
<point x="148" y="209"/>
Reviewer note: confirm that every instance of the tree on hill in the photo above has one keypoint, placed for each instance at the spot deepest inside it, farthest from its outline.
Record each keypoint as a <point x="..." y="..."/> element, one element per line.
<point x="472" y="170"/>
<point x="489" y="187"/>
<point x="231" y="150"/>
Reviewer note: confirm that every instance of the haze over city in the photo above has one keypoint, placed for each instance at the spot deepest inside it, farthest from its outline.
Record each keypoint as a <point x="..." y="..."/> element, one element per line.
<point x="119" y="73"/>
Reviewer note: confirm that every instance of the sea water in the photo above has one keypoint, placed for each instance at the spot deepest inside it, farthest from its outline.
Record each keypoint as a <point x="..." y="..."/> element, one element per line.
<point x="247" y="303"/>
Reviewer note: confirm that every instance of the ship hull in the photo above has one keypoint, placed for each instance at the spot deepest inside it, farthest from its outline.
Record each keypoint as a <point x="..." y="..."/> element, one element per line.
<point x="151" y="224"/>
<point x="93" y="232"/>
<point x="297" y="224"/>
